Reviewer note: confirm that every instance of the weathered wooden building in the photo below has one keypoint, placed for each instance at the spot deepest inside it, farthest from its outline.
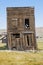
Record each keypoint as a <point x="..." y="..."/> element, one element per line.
<point x="21" y="28"/>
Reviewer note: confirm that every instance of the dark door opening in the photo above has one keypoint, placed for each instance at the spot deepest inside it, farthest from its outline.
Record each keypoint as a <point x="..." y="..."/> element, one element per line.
<point x="28" y="40"/>
<point x="15" y="40"/>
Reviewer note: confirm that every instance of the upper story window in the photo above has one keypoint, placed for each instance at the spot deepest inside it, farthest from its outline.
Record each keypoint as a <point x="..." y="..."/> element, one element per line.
<point x="26" y="23"/>
<point x="14" y="22"/>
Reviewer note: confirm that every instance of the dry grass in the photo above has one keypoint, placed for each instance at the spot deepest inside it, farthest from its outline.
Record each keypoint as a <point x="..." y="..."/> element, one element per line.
<point x="40" y="45"/>
<point x="21" y="58"/>
<point x="3" y="46"/>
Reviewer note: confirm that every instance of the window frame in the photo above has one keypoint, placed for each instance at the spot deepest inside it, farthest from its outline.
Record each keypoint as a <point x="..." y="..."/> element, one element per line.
<point x="28" y="23"/>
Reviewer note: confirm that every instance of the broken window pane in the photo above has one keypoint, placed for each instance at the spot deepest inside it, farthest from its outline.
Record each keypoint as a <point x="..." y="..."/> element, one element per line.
<point x="26" y="23"/>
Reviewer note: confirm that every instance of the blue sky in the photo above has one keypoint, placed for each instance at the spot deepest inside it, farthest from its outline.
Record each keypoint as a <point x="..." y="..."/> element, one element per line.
<point x="38" y="4"/>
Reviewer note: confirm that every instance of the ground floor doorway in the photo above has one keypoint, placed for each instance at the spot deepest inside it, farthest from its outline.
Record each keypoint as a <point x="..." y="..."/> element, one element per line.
<point x="20" y="41"/>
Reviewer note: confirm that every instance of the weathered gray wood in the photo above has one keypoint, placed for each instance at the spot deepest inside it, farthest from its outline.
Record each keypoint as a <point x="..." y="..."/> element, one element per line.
<point x="10" y="44"/>
<point x="23" y="41"/>
<point x="18" y="43"/>
<point x="26" y="41"/>
<point x="32" y="40"/>
<point x="16" y="24"/>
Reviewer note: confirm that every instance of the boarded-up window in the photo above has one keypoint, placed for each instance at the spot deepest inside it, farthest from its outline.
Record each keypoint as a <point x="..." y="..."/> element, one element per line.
<point x="14" y="22"/>
<point x="17" y="35"/>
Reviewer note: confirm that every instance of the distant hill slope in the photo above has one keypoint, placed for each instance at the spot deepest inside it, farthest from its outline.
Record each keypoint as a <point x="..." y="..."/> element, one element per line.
<point x="39" y="34"/>
<point x="39" y="31"/>
<point x="3" y="31"/>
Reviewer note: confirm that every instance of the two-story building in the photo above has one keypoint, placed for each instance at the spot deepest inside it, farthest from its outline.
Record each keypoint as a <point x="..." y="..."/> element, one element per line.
<point x="21" y="28"/>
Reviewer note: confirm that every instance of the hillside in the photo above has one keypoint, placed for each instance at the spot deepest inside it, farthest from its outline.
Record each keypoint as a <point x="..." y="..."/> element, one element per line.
<point x="39" y="34"/>
<point x="3" y="31"/>
<point x="39" y="31"/>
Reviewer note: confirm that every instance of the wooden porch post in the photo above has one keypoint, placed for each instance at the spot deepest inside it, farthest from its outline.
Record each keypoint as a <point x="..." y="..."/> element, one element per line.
<point x="17" y="43"/>
<point x="21" y="44"/>
<point x="26" y="41"/>
<point x="10" y="41"/>
<point x="23" y="41"/>
<point x="32" y="40"/>
<point x="29" y="40"/>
